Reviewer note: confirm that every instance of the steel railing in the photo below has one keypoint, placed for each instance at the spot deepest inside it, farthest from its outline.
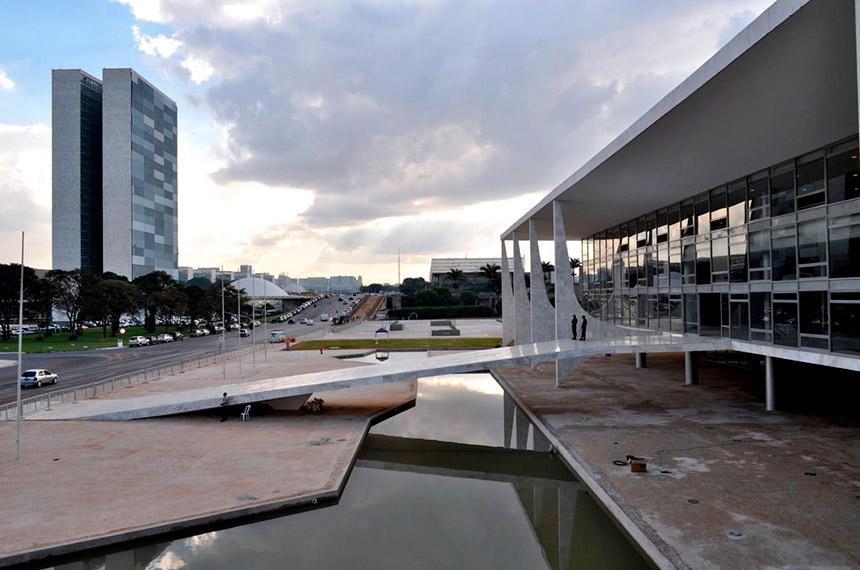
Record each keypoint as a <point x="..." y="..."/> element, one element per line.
<point x="93" y="389"/>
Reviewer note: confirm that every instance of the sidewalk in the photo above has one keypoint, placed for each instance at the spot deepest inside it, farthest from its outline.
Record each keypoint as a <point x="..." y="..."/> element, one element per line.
<point x="728" y="485"/>
<point x="87" y="484"/>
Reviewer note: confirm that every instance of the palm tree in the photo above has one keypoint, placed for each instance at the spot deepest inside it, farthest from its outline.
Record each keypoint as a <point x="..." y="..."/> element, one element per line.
<point x="547" y="269"/>
<point x="575" y="263"/>
<point x="457" y="277"/>
<point x="490" y="272"/>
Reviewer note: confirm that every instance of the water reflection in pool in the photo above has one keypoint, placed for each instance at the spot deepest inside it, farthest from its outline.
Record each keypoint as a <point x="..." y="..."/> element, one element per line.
<point x="450" y="483"/>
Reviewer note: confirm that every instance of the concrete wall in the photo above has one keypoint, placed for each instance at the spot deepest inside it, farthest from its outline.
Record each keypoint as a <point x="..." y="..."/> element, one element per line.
<point x="66" y="168"/>
<point x="116" y="132"/>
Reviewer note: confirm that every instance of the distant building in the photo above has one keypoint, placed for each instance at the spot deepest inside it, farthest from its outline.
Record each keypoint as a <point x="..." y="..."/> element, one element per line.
<point x="114" y="174"/>
<point x="344" y="284"/>
<point x="318" y="284"/>
<point x="186" y="274"/>
<point x="471" y="268"/>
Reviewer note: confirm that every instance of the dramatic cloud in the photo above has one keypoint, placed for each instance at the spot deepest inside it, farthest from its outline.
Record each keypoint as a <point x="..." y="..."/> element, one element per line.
<point x="414" y="111"/>
<point x="25" y="185"/>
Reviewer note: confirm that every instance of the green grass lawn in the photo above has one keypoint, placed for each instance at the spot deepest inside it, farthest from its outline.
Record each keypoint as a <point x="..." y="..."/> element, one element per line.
<point x="90" y="339"/>
<point x="400" y="343"/>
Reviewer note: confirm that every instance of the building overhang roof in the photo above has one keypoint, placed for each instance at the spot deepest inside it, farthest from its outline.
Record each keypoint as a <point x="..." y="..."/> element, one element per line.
<point x="785" y="85"/>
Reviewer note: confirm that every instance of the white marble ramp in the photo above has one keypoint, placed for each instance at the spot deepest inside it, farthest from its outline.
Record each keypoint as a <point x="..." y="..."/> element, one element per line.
<point x="166" y="404"/>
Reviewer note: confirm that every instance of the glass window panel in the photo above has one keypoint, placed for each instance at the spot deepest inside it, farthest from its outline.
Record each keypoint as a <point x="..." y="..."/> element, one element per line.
<point x="738" y="259"/>
<point x="691" y="314"/>
<point x="703" y="216"/>
<point x="845" y="328"/>
<point x="674" y="265"/>
<point x="688" y="224"/>
<point x="662" y="227"/>
<point x="785" y="324"/>
<point x="737" y="200"/>
<point x="813" y="313"/>
<point x="810" y="183"/>
<point x="782" y="190"/>
<point x="720" y="260"/>
<point x="675" y="313"/>
<point x="845" y="249"/>
<point x="812" y="248"/>
<point x="758" y="194"/>
<point x="784" y="255"/>
<point x="719" y="213"/>
<point x="674" y="224"/>
<point x="689" y="261"/>
<point x="703" y="263"/>
<point x="759" y="259"/>
<point x="760" y="311"/>
<point x="843" y="182"/>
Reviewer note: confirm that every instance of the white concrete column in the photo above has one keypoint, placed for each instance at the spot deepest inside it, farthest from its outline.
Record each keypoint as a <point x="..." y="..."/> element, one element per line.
<point x="522" y="308"/>
<point x="770" y="396"/>
<point x="508" y="305"/>
<point x="641" y="360"/>
<point x="543" y="315"/>
<point x="566" y="304"/>
<point x="691" y="368"/>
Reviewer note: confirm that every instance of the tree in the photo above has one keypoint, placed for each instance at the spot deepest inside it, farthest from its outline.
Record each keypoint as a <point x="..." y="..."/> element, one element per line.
<point x="171" y="303"/>
<point x="41" y="305"/>
<point x="149" y="285"/>
<point x="491" y="272"/>
<point x="575" y="264"/>
<point x="10" y="292"/>
<point x="547" y="268"/>
<point x="71" y="290"/>
<point x="468" y="298"/>
<point x="412" y="285"/>
<point x="456" y="277"/>
<point x="109" y="299"/>
<point x="427" y="298"/>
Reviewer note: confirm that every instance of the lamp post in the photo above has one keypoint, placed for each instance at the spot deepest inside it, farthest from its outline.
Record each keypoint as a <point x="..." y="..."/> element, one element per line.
<point x="223" y="334"/>
<point x="20" y="354"/>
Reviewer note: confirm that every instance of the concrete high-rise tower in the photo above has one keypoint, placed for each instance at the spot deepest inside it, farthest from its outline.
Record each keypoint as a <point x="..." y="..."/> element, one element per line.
<point x="115" y="174"/>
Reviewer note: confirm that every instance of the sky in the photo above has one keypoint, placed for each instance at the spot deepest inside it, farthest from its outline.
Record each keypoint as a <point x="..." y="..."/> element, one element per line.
<point x="321" y="138"/>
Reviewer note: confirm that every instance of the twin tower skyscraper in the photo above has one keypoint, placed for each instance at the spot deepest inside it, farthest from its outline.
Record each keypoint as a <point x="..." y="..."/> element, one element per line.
<point x="114" y="149"/>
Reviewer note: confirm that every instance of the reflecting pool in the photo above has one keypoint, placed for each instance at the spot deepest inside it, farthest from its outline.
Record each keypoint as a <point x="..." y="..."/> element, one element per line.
<point x="459" y="481"/>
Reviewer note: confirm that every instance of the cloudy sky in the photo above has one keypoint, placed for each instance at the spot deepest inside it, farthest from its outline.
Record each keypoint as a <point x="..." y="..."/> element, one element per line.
<point x="319" y="137"/>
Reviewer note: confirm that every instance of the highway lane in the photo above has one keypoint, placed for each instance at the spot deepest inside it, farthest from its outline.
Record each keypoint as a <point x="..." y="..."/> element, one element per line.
<point x="85" y="366"/>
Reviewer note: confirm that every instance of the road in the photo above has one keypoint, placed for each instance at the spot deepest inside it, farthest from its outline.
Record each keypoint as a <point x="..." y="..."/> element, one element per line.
<point x="82" y="367"/>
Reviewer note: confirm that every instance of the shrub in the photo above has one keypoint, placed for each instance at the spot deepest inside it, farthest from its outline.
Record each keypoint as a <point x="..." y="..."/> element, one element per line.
<point x="73" y="337"/>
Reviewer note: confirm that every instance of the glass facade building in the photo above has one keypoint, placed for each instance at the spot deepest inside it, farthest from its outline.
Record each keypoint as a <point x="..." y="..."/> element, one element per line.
<point x="772" y="257"/>
<point x="114" y="174"/>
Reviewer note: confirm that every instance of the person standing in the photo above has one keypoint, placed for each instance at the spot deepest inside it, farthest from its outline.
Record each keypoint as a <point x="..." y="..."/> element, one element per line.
<point x="573" y="326"/>
<point x="224" y="402"/>
<point x="584" y="327"/>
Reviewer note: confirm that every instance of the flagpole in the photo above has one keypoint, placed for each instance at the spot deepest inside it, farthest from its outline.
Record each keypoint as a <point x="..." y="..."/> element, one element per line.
<point x="20" y="351"/>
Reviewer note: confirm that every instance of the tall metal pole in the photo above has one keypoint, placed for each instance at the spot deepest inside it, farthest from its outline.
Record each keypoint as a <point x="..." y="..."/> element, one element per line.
<point x="20" y="355"/>
<point x="223" y="333"/>
<point x="239" y="319"/>
<point x="253" y="320"/>
<point x="266" y="330"/>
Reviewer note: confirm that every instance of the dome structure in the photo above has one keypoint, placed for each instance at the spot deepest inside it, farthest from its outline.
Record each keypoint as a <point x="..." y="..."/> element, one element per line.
<point x="257" y="288"/>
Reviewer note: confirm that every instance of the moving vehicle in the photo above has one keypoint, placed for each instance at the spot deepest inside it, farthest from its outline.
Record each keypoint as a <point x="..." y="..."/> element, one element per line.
<point x="324" y="317"/>
<point x="165" y="337"/>
<point x="36" y="377"/>
<point x="138" y="341"/>
<point x="244" y="332"/>
<point x="309" y="322"/>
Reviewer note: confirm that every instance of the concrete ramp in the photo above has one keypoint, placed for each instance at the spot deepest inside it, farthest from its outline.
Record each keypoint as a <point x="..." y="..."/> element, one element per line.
<point x="278" y="389"/>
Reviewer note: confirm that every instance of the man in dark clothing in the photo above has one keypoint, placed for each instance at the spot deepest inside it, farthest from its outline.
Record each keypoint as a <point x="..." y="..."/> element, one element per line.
<point x="573" y="326"/>
<point x="584" y="326"/>
<point x="224" y="407"/>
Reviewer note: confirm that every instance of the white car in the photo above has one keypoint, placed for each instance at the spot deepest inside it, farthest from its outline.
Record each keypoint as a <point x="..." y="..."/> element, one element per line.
<point x="38" y="376"/>
<point x="162" y="338"/>
<point x="138" y="341"/>
<point x="303" y="321"/>
<point x="309" y="322"/>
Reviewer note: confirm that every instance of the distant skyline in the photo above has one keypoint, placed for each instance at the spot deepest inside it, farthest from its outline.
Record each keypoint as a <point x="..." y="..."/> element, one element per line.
<point x="319" y="138"/>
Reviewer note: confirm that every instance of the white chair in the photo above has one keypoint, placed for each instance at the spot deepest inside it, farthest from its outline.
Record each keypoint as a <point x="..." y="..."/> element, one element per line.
<point x="246" y="415"/>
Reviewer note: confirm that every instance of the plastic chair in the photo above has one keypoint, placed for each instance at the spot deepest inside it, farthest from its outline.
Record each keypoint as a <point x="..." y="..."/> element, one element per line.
<point x="246" y="415"/>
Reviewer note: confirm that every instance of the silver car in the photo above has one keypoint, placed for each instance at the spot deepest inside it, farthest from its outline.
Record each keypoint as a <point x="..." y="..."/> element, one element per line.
<point x="36" y="377"/>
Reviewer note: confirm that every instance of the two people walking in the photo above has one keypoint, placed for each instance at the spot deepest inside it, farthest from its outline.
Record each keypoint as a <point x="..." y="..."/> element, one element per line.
<point x="583" y="329"/>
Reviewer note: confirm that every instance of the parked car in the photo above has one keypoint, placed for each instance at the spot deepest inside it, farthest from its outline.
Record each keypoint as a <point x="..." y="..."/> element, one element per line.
<point x="138" y="341"/>
<point x="194" y="333"/>
<point x="244" y="332"/>
<point x="165" y="337"/>
<point x="38" y="376"/>
<point x="291" y="321"/>
<point x="177" y="335"/>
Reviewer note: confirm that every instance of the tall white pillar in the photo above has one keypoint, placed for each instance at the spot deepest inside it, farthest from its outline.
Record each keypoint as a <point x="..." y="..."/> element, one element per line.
<point x="691" y="368"/>
<point x="522" y="308"/>
<point x="508" y="305"/>
<point x="565" y="297"/>
<point x="543" y="315"/>
<point x="770" y="396"/>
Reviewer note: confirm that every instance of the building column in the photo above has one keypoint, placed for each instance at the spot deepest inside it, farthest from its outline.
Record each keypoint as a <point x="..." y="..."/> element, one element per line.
<point x="770" y="396"/>
<point x="543" y="315"/>
<point x="522" y="308"/>
<point x="691" y="368"/>
<point x="508" y="305"/>
<point x="565" y="297"/>
<point x="642" y="360"/>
